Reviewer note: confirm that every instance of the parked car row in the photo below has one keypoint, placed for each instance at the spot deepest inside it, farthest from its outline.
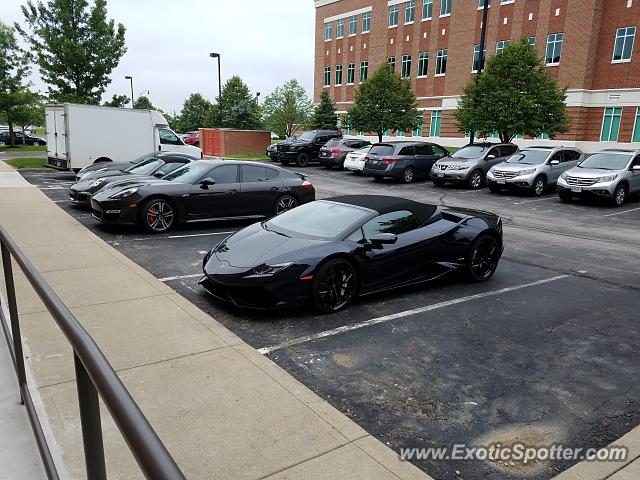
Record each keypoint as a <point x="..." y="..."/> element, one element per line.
<point x="21" y="139"/>
<point x="501" y="166"/>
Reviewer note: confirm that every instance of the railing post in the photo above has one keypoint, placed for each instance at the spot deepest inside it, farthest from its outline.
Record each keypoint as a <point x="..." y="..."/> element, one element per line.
<point x="13" y="315"/>
<point x="90" y="421"/>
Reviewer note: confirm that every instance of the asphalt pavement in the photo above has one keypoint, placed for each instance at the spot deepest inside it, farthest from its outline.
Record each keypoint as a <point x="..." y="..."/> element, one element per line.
<point x="546" y="352"/>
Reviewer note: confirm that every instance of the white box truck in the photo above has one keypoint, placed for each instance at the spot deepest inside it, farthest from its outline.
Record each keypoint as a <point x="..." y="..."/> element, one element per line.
<point x="80" y="135"/>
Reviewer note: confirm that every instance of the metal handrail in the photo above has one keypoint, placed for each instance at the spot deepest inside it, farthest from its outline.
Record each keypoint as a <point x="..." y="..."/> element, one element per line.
<point x="94" y="376"/>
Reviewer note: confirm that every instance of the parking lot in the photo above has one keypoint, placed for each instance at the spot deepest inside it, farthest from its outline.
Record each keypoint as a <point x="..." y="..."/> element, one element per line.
<point x="546" y="352"/>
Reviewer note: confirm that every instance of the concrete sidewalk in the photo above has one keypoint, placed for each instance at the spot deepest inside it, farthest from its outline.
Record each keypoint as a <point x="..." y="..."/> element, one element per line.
<point x="223" y="410"/>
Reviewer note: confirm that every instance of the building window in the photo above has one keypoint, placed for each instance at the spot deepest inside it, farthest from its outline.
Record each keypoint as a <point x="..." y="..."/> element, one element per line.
<point x="338" y="74"/>
<point x="353" y="25"/>
<point x="482" y="2"/>
<point x="501" y="45"/>
<point x="624" y="44"/>
<point x="364" y="70"/>
<point x="427" y="9"/>
<point x="328" y="27"/>
<point x="327" y="76"/>
<point x="417" y="132"/>
<point x="406" y="66"/>
<point x="441" y="62"/>
<point x="340" y="28"/>
<point x="351" y="73"/>
<point x="476" y="57"/>
<point x="366" y="22"/>
<point x="436" y="123"/>
<point x="532" y="41"/>
<point x="410" y="11"/>
<point x="554" y="49"/>
<point x="636" y="127"/>
<point x="399" y="133"/>
<point x="393" y="15"/>
<point x="392" y="63"/>
<point x="543" y="136"/>
<point x="611" y="124"/>
<point x="445" y="7"/>
<point x="423" y="64"/>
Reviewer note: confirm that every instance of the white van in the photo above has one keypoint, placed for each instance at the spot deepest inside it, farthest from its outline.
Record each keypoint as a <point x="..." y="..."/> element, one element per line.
<point x="81" y="135"/>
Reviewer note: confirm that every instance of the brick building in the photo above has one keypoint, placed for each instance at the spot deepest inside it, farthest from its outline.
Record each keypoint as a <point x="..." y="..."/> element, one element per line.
<point x="587" y="46"/>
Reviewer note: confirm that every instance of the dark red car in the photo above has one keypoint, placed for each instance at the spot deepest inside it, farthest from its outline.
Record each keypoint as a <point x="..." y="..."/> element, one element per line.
<point x="193" y="139"/>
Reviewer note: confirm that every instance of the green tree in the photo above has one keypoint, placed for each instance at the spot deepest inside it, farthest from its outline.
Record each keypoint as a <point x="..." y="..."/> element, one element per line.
<point x="195" y="114"/>
<point x="287" y="107"/>
<point x="384" y="102"/>
<point x="31" y="112"/>
<point x="14" y="69"/>
<point x="237" y="107"/>
<point x="118" y="101"/>
<point x="514" y="95"/>
<point x="143" y="103"/>
<point x="324" y="115"/>
<point x="76" y="47"/>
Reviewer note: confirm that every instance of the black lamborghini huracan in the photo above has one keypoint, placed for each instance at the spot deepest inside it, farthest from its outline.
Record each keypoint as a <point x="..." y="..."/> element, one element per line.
<point x="329" y="251"/>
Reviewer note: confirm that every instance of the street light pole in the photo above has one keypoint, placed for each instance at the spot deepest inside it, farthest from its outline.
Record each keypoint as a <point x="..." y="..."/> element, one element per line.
<point x="217" y="55"/>
<point x="483" y="36"/>
<point x="130" y="78"/>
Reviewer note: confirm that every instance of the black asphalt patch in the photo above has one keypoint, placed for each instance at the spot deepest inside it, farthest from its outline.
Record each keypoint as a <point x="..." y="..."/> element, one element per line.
<point x="547" y="363"/>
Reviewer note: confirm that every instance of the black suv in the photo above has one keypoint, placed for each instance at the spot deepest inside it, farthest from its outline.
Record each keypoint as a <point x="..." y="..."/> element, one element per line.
<point x="306" y="147"/>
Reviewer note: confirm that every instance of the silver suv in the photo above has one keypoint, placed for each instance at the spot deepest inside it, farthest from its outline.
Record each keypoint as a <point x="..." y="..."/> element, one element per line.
<point x="533" y="169"/>
<point x="611" y="174"/>
<point x="470" y="164"/>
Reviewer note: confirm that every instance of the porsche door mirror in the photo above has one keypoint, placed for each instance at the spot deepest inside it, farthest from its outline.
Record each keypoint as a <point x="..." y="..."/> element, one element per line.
<point x="158" y="174"/>
<point x="380" y="239"/>
<point x="207" y="182"/>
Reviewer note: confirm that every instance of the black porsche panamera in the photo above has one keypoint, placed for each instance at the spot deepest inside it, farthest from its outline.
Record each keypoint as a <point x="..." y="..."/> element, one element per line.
<point x="200" y="191"/>
<point x="330" y="251"/>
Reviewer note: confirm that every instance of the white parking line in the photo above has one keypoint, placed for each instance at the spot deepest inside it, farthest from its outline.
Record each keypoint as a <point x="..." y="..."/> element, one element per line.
<point x="621" y="213"/>
<point x="534" y="200"/>
<point x="180" y="277"/>
<point x="406" y="313"/>
<point x="154" y="237"/>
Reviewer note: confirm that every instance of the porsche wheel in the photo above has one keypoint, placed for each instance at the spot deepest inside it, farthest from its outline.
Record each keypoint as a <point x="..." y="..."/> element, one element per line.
<point x="483" y="258"/>
<point x="284" y="203"/>
<point x="158" y="216"/>
<point x="334" y="286"/>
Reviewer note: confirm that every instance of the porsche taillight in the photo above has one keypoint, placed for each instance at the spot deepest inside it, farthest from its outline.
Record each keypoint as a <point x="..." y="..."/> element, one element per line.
<point x="388" y="160"/>
<point x="307" y="184"/>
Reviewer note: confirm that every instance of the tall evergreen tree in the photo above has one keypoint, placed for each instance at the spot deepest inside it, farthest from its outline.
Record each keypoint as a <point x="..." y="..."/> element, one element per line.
<point x="384" y="102"/>
<point x="76" y="47"/>
<point x="514" y="95"/>
<point x="237" y="108"/>
<point x="324" y="116"/>
<point x="143" y="103"/>
<point x="195" y="114"/>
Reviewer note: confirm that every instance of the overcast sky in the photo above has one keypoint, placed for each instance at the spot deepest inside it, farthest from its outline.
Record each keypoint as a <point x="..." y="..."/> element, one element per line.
<point x="266" y="42"/>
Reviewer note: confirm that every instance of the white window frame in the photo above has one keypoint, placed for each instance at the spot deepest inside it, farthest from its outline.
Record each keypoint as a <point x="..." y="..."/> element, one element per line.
<point x="443" y="3"/>
<point x="440" y="54"/>
<point x="336" y="74"/>
<point x="473" y="59"/>
<point x="409" y="5"/>
<point x="364" y="65"/>
<point x="396" y="10"/>
<point x="613" y="115"/>
<point x="481" y="4"/>
<point x="326" y="74"/>
<point x="636" y="124"/>
<point x="353" y="20"/>
<point x="366" y="15"/>
<point x="423" y="56"/>
<point x="633" y="38"/>
<point x="504" y="43"/>
<point x="338" y="22"/>
<point x="437" y="116"/>
<point x="392" y="64"/>
<point x="553" y="64"/>
<point x="351" y="67"/>
<point x="425" y="2"/>
<point x="406" y="60"/>
<point x="328" y="28"/>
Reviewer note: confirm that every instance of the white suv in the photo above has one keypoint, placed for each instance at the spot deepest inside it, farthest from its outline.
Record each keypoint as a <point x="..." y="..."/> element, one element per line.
<point x="611" y="174"/>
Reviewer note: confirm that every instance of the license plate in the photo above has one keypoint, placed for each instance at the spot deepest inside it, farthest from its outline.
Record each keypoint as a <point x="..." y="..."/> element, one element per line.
<point x="576" y="189"/>
<point x="440" y="174"/>
<point x="500" y="182"/>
